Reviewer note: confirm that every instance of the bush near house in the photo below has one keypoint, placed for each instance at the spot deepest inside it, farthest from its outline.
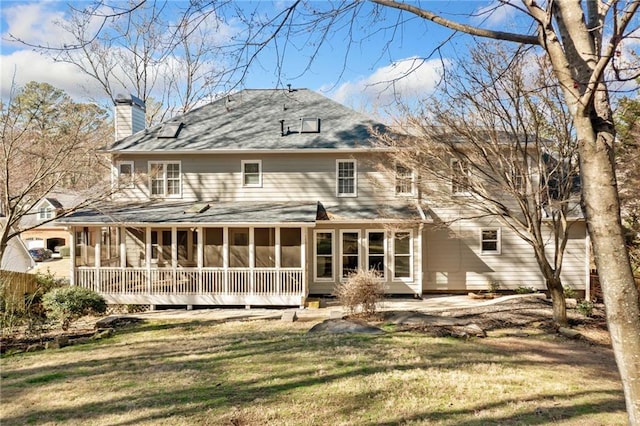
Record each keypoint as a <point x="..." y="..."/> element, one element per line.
<point x="67" y="304"/>
<point x="361" y="292"/>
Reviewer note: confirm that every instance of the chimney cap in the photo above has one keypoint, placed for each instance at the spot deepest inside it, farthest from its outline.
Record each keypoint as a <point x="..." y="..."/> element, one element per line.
<point x="129" y="100"/>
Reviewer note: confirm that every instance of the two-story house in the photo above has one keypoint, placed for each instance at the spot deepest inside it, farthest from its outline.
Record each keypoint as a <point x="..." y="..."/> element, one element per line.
<point x="265" y="197"/>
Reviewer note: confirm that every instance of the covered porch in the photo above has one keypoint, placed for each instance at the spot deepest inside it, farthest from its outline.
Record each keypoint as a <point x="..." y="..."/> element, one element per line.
<point x="179" y="260"/>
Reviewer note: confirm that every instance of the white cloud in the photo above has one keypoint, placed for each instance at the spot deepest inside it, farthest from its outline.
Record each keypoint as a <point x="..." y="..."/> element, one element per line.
<point x="34" y="23"/>
<point x="497" y="13"/>
<point x="404" y="80"/>
<point x="26" y="65"/>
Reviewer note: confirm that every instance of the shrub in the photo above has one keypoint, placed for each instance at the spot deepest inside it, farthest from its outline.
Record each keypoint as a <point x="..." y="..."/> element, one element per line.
<point x="67" y="304"/>
<point x="585" y="308"/>
<point x="569" y="292"/>
<point x="525" y="290"/>
<point x="361" y="292"/>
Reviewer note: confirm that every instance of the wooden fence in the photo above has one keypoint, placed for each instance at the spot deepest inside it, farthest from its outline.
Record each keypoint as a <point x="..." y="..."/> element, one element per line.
<point x="14" y="286"/>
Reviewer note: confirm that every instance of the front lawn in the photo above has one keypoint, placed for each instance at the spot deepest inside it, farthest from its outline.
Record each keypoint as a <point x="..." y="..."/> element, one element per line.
<point x="273" y="373"/>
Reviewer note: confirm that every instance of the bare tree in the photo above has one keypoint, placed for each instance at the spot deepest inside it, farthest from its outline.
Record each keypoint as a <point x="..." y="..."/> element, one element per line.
<point x="155" y="52"/>
<point x="580" y="41"/>
<point x="497" y="142"/>
<point x="49" y="142"/>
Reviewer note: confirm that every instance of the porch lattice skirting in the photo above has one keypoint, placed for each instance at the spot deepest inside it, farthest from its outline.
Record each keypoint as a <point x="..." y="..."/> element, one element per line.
<point x="196" y="286"/>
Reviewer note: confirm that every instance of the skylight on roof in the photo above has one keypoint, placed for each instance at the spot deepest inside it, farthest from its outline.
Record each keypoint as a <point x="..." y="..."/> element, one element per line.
<point x="309" y="125"/>
<point x="169" y="130"/>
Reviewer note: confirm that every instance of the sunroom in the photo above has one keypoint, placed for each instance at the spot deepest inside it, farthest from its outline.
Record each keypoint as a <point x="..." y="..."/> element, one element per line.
<point x="193" y="254"/>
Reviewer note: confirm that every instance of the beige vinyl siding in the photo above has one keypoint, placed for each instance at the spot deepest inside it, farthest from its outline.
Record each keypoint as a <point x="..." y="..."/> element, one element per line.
<point x="453" y="260"/>
<point x="285" y="177"/>
<point x="128" y="120"/>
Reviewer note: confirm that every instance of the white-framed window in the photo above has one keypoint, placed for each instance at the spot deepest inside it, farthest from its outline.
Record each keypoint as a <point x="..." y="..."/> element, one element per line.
<point x="349" y="252"/>
<point x="402" y="252"/>
<point x="124" y="174"/>
<point x="519" y="181"/>
<point x="377" y="252"/>
<point x="405" y="181"/>
<point x="324" y="244"/>
<point x="346" y="178"/>
<point x="490" y="241"/>
<point x="45" y="212"/>
<point x="165" y="179"/>
<point x="459" y="177"/>
<point x="251" y="173"/>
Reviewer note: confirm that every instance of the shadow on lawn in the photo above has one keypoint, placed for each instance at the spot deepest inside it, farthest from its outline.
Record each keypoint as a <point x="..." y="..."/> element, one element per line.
<point x="206" y="354"/>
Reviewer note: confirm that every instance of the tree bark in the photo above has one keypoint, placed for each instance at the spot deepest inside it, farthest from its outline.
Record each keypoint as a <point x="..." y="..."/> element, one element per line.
<point x="554" y="285"/>
<point x="602" y="208"/>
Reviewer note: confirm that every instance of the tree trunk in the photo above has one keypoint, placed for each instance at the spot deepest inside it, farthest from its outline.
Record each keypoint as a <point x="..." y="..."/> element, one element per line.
<point x="602" y="208"/>
<point x="554" y="285"/>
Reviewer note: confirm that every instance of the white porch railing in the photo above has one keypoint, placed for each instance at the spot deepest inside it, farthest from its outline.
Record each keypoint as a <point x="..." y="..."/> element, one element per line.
<point x="193" y="281"/>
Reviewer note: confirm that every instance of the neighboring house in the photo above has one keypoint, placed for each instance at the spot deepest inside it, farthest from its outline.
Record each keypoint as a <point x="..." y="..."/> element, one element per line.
<point x="266" y="197"/>
<point x="40" y="231"/>
<point x="16" y="257"/>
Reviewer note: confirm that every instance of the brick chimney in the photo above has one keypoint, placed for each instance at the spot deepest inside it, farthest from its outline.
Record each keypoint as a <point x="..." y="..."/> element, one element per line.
<point x="129" y="116"/>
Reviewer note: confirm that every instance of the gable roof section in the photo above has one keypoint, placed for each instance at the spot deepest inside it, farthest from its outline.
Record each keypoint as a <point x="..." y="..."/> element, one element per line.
<point x="57" y="200"/>
<point x="258" y="119"/>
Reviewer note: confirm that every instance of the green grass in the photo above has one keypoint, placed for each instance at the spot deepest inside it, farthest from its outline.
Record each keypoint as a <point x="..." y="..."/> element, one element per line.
<point x="273" y="373"/>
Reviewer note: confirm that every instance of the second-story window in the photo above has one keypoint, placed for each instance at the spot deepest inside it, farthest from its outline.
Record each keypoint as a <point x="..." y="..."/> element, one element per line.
<point x="125" y="174"/>
<point x="404" y="180"/>
<point x="460" y="177"/>
<point x="346" y="178"/>
<point x="165" y="179"/>
<point x="252" y="173"/>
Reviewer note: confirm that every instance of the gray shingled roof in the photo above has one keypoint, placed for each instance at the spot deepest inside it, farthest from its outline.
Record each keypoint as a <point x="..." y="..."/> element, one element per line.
<point x="250" y="120"/>
<point x="194" y="212"/>
<point x="201" y="212"/>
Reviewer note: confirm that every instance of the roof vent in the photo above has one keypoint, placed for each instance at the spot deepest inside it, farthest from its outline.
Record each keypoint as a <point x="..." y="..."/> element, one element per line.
<point x="170" y="130"/>
<point x="197" y="208"/>
<point x="309" y="125"/>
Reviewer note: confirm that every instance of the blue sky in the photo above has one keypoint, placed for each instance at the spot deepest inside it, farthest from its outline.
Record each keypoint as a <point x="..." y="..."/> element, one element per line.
<point x="379" y="55"/>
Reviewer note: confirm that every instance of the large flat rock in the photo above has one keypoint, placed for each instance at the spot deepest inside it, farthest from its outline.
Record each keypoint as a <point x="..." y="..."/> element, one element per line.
<point x="419" y="318"/>
<point x="341" y="326"/>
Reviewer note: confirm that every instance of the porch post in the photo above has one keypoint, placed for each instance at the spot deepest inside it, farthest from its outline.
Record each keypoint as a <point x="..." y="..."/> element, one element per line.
<point x="174" y="247"/>
<point x="122" y="232"/>
<point x="200" y="257"/>
<point x="278" y="262"/>
<point x="72" y="254"/>
<point x="419" y="273"/>
<point x="200" y="260"/>
<point x="225" y="257"/>
<point x="252" y="260"/>
<point x="303" y="263"/>
<point x="147" y="256"/>
<point x="97" y="257"/>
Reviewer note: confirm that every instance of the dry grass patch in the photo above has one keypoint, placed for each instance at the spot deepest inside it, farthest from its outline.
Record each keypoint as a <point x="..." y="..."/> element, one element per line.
<point x="273" y="373"/>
